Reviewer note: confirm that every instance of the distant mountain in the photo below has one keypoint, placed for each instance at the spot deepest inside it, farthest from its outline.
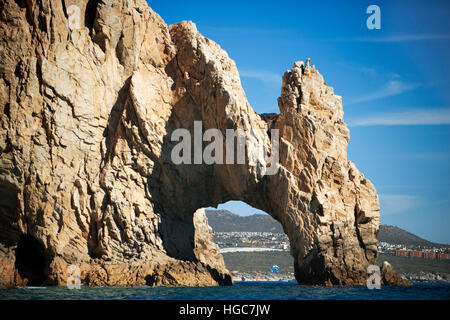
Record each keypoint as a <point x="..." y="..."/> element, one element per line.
<point x="226" y="221"/>
<point x="396" y="235"/>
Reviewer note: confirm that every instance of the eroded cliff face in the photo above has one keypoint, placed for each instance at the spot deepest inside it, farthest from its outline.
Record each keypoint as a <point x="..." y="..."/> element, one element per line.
<point x="86" y="176"/>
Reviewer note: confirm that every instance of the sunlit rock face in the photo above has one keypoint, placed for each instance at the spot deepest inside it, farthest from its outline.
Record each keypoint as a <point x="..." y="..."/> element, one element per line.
<point x="90" y="98"/>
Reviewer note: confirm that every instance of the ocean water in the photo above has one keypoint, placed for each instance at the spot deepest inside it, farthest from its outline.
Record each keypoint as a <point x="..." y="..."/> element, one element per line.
<point x="239" y="291"/>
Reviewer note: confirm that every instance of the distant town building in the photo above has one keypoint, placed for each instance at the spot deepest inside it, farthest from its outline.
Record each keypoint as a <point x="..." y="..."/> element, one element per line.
<point x="429" y="255"/>
<point x="422" y="254"/>
<point x="444" y="256"/>
<point x="415" y="253"/>
<point x="401" y="253"/>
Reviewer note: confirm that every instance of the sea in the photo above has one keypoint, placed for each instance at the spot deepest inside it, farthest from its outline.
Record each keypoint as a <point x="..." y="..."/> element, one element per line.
<point x="246" y="290"/>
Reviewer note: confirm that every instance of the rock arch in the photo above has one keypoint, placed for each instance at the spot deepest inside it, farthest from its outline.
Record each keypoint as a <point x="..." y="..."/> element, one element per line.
<point x="85" y="152"/>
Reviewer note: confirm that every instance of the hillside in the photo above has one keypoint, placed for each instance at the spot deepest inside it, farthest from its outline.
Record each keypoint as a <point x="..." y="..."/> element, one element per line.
<point x="226" y="221"/>
<point x="396" y="235"/>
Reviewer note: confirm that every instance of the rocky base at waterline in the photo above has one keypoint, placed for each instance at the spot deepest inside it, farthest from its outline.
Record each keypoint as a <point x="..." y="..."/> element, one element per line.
<point x="411" y="277"/>
<point x="261" y="276"/>
<point x="86" y="175"/>
<point x="427" y="277"/>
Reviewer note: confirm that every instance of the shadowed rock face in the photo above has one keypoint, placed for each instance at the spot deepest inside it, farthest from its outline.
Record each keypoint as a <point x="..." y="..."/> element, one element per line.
<point x="85" y="153"/>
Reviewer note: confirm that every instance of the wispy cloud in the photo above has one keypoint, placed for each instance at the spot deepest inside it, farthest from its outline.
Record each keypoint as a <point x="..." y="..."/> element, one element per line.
<point x="242" y="30"/>
<point x="364" y="70"/>
<point x="420" y="185"/>
<point x="424" y="156"/>
<point x="398" y="203"/>
<point x="396" y="38"/>
<point x="264" y="76"/>
<point x="392" y="88"/>
<point x="436" y="116"/>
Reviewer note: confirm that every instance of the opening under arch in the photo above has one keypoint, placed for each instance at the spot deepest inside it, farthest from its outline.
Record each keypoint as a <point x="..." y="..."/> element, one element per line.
<point x="252" y="243"/>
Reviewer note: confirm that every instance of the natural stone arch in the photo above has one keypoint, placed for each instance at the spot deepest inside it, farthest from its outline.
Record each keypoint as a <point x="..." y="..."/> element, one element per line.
<point x="85" y="153"/>
<point x="327" y="208"/>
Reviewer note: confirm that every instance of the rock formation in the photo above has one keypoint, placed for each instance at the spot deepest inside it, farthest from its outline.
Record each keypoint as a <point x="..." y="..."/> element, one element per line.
<point x="90" y="92"/>
<point x="390" y="277"/>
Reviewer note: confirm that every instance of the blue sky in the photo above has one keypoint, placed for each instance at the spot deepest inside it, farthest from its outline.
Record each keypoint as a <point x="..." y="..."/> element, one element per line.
<point x="394" y="83"/>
